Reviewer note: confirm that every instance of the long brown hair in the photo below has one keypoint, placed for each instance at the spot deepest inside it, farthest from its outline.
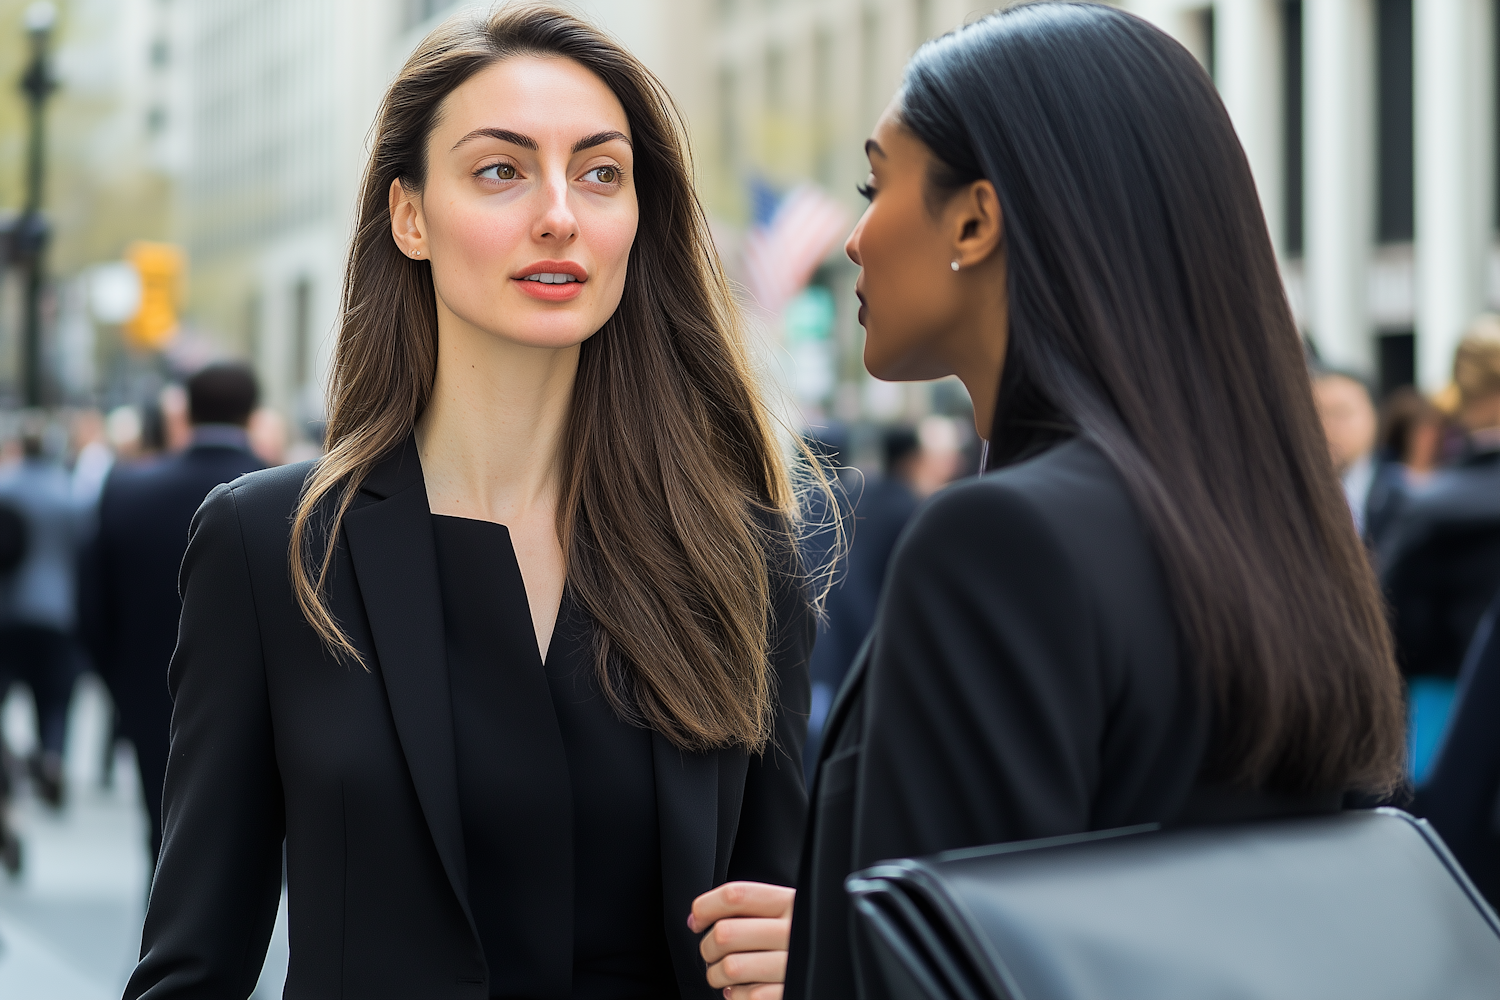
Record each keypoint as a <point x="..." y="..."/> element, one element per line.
<point x="1147" y="316"/>
<point x="675" y="497"/>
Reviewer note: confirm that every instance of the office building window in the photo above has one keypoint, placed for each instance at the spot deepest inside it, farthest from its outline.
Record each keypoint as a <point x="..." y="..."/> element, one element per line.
<point x="1395" y="197"/>
<point x="1398" y="360"/>
<point x="1291" y="34"/>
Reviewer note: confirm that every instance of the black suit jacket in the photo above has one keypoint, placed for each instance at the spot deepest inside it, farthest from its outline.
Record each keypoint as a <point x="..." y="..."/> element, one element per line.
<point x="144" y="514"/>
<point x="129" y="599"/>
<point x="1461" y="794"/>
<point x="272" y="737"/>
<point x="1440" y="565"/>
<point x="1023" y="680"/>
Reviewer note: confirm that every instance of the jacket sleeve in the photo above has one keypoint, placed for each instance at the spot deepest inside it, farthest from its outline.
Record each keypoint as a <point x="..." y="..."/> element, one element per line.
<point x="984" y="704"/>
<point x="774" y="808"/>
<point x="218" y="880"/>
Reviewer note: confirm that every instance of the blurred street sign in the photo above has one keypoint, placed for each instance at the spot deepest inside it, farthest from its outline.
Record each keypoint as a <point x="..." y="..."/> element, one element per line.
<point x="810" y="315"/>
<point x="114" y="292"/>
<point x="160" y="266"/>
<point x="809" y="319"/>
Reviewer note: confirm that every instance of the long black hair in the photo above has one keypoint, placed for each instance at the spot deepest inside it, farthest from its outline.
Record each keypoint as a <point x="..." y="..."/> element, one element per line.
<point x="1147" y="316"/>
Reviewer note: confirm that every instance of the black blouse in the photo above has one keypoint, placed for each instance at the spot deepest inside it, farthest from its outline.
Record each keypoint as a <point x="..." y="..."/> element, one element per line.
<point x="544" y="763"/>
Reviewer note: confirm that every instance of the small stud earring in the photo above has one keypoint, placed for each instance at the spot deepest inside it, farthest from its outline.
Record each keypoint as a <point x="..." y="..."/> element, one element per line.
<point x="418" y="253"/>
<point x="954" y="265"/>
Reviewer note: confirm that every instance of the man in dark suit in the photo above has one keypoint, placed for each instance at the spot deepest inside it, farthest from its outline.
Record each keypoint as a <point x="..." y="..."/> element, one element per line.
<point x="1372" y="482"/>
<point x="1440" y="565"/>
<point x="133" y="604"/>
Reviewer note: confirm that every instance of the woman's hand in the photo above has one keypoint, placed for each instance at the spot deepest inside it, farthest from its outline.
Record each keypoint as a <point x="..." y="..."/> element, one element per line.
<point x="749" y="928"/>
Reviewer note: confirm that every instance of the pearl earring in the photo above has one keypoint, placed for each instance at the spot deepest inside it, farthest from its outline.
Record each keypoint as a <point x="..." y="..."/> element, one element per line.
<point x="954" y="265"/>
<point x="418" y="253"/>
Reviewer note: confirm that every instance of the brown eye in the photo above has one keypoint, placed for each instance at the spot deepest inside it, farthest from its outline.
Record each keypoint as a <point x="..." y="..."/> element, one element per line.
<point x="499" y="172"/>
<point x="605" y="175"/>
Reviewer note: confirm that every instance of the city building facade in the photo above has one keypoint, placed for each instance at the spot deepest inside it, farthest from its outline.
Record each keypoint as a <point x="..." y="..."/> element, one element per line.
<point x="239" y="128"/>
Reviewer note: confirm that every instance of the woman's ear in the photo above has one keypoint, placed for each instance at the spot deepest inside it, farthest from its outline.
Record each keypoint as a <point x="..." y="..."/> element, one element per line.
<point x="407" y="224"/>
<point x="976" y="223"/>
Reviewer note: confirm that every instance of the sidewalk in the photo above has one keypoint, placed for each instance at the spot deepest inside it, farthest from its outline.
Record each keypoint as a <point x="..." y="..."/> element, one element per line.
<point x="70" y="926"/>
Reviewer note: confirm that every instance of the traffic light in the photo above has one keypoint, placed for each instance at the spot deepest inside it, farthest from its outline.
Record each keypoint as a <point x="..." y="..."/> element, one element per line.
<point x="161" y="267"/>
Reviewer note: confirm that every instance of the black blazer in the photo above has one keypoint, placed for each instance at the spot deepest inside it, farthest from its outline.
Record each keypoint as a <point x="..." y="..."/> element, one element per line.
<point x="128" y="590"/>
<point x="1023" y="680"/>
<point x="1461" y="794"/>
<point x="355" y="768"/>
<point x="1440" y="565"/>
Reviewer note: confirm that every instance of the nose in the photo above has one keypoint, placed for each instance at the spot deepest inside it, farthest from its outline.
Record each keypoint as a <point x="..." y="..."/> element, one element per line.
<point x="556" y="223"/>
<point x="851" y="245"/>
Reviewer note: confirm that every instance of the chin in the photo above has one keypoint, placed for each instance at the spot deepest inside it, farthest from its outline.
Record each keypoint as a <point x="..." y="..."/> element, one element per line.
<point x="910" y="366"/>
<point x="547" y="336"/>
<point x="530" y="324"/>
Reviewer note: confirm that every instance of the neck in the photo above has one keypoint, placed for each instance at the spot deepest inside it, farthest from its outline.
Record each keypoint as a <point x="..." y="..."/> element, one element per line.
<point x="491" y="436"/>
<point x="981" y="338"/>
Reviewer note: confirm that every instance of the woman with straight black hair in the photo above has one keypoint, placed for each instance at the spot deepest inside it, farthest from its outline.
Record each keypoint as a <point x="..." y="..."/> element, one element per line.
<point x="1153" y="607"/>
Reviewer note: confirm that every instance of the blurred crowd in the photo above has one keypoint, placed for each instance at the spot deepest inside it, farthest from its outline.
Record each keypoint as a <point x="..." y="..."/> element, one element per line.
<point x="94" y="515"/>
<point x="1422" y="478"/>
<point x="94" y="510"/>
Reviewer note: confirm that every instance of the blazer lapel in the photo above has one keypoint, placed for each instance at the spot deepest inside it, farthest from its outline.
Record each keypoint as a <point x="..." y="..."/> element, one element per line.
<point x="395" y="562"/>
<point x="853" y="680"/>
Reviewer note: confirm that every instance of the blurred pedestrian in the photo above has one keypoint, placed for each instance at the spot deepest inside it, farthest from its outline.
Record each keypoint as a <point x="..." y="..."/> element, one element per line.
<point x="825" y="543"/>
<point x="882" y="506"/>
<point x="885" y="505"/>
<point x="93" y="456"/>
<point x="38" y="599"/>
<point x="124" y="431"/>
<point x="1411" y="431"/>
<point x="268" y="436"/>
<point x="176" y="423"/>
<point x="1372" y="485"/>
<point x="941" y="459"/>
<point x="132" y="567"/>
<point x="1441" y="563"/>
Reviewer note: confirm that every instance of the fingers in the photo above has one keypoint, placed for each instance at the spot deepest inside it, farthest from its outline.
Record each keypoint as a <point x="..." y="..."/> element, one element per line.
<point x="745" y="934"/>
<point x="747" y="968"/>
<point x="754" y="991"/>
<point x="740" y="899"/>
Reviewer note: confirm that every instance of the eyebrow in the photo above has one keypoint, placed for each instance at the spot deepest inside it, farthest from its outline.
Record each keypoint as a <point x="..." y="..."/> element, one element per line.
<point x="871" y="146"/>
<point x="503" y="134"/>
<point x="599" y="139"/>
<point x="527" y="142"/>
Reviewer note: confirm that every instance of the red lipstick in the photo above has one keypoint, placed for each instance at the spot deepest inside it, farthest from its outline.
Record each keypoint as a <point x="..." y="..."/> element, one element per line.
<point x="552" y="280"/>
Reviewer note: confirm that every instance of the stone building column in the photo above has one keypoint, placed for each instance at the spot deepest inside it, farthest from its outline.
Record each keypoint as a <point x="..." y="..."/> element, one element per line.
<point x="1248" y="71"/>
<point x="1338" y="121"/>
<point x="1453" y="77"/>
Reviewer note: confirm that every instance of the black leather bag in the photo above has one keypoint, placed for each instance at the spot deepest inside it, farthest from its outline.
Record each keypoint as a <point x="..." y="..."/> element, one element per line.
<point x="1364" y="904"/>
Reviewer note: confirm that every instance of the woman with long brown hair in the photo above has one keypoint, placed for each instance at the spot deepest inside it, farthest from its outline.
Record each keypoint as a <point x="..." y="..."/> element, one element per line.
<point x="518" y="668"/>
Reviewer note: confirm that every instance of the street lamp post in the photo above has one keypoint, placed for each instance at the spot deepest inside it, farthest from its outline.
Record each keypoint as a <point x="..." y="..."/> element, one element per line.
<point x="31" y="227"/>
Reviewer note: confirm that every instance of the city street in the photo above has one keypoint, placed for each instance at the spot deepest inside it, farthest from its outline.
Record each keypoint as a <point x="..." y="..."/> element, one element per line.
<point x="70" y="925"/>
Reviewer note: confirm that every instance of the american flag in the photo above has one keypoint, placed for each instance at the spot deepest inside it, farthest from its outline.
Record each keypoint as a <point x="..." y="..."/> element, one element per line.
<point x="782" y="253"/>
